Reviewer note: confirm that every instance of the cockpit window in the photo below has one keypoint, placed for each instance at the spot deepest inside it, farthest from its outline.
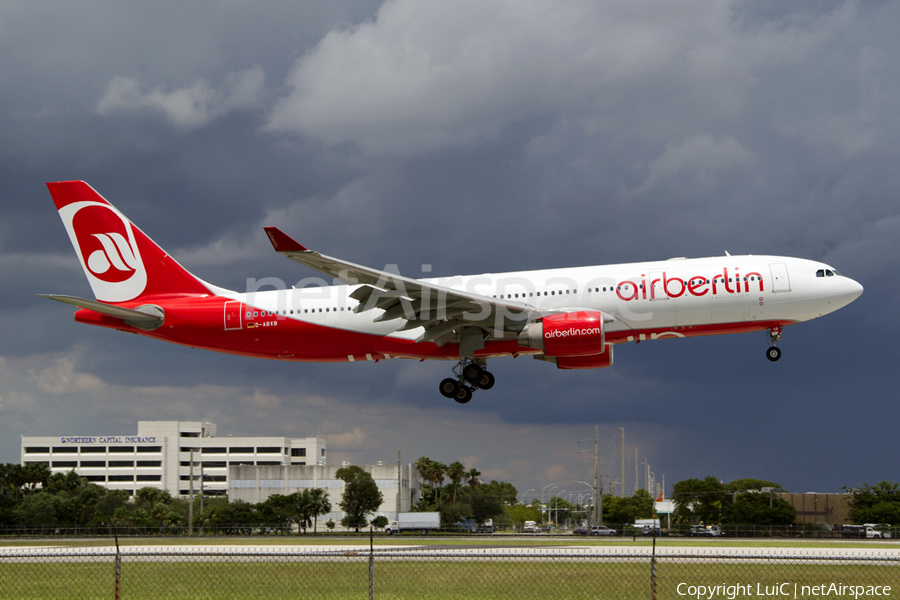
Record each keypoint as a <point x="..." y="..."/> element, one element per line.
<point x="829" y="273"/>
<point x="820" y="273"/>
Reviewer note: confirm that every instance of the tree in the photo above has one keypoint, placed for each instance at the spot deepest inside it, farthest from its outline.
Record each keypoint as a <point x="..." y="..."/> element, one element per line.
<point x="319" y="504"/>
<point x="743" y="485"/>
<point x="36" y="473"/>
<point x="626" y="510"/>
<point x="361" y="496"/>
<point x="753" y="508"/>
<point x="501" y="490"/>
<point x="879" y="503"/>
<point x="472" y="475"/>
<point x="380" y="521"/>
<point x="436" y="473"/>
<point x="456" y="471"/>
<point x="698" y="500"/>
<point x="520" y="513"/>
<point x="485" y="506"/>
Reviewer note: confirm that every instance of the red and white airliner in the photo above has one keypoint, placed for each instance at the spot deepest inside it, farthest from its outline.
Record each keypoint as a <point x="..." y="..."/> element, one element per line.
<point x="570" y="317"/>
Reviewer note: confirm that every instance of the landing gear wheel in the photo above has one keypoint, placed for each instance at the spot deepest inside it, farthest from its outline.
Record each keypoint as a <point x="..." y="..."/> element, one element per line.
<point x="450" y="388"/>
<point x="773" y="353"/>
<point x="473" y="373"/>
<point x="464" y="394"/>
<point x="487" y="381"/>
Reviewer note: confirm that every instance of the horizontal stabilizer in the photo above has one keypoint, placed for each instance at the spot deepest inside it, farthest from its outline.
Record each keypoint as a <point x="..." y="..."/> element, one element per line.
<point x="144" y="317"/>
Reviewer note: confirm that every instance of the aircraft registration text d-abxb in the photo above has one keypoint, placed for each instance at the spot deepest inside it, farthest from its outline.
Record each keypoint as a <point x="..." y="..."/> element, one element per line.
<point x="572" y="317"/>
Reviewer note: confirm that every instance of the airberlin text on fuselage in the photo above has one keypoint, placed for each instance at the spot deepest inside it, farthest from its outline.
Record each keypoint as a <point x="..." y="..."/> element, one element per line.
<point x="698" y="285"/>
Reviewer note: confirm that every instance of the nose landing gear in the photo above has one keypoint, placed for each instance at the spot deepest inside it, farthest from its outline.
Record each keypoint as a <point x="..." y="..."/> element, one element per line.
<point x="773" y="353"/>
<point x="471" y="375"/>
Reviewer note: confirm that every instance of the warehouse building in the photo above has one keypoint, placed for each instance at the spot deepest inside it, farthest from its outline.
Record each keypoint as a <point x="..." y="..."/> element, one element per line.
<point x="165" y="455"/>
<point x="400" y="486"/>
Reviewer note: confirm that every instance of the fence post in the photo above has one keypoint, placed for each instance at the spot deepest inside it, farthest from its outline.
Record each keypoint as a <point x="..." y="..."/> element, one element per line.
<point x="371" y="564"/>
<point x="118" y="564"/>
<point x="653" y="571"/>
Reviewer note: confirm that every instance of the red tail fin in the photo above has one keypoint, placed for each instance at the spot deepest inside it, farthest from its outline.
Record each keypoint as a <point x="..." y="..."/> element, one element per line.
<point x="119" y="260"/>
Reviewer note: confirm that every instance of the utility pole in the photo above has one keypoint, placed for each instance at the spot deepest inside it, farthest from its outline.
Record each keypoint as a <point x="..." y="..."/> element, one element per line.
<point x="399" y="486"/>
<point x="637" y="483"/>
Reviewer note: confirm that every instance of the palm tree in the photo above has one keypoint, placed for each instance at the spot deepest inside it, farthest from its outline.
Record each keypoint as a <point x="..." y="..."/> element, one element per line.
<point x="318" y="505"/>
<point x="472" y="475"/>
<point x="36" y="473"/>
<point x="436" y="473"/>
<point x="456" y="471"/>
<point x="422" y="467"/>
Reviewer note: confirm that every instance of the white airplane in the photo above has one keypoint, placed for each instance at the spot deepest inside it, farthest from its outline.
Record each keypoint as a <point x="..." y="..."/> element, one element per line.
<point x="571" y="317"/>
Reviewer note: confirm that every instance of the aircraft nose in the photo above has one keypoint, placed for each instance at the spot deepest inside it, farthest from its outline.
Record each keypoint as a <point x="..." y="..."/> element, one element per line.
<point x="855" y="290"/>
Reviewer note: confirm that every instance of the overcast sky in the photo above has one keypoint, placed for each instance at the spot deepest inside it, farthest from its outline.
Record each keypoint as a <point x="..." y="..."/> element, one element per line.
<point x="475" y="136"/>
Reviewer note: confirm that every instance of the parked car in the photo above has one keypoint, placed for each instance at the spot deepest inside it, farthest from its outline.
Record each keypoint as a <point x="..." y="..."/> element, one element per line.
<point x="706" y="531"/>
<point x="581" y="531"/>
<point x="602" y="530"/>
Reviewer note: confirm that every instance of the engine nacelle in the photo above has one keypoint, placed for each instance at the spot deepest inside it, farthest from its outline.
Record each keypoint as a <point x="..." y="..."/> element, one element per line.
<point x="580" y="333"/>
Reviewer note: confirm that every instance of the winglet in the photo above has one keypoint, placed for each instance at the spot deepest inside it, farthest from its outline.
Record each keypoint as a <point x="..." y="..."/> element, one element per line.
<point x="282" y="242"/>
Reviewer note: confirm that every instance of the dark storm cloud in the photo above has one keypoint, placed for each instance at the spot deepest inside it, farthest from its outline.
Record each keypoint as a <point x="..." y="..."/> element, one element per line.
<point x="474" y="137"/>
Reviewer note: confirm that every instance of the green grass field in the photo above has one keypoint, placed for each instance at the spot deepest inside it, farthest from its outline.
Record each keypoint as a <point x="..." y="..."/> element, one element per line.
<point x="428" y="578"/>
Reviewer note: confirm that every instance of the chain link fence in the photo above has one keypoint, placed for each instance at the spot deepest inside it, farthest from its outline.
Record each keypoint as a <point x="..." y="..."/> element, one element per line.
<point x="201" y="572"/>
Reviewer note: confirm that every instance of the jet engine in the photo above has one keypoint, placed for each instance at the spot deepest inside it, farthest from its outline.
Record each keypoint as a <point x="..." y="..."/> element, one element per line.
<point x="579" y="333"/>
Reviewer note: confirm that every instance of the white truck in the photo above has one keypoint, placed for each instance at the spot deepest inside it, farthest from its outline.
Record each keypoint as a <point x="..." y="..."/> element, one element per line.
<point x="422" y="522"/>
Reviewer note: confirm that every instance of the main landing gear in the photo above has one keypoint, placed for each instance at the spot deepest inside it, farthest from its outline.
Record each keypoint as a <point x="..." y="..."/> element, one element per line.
<point x="471" y="375"/>
<point x="774" y="352"/>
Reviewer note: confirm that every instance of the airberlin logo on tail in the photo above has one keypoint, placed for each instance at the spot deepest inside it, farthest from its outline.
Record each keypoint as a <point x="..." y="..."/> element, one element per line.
<point x="104" y="240"/>
<point x="115" y="261"/>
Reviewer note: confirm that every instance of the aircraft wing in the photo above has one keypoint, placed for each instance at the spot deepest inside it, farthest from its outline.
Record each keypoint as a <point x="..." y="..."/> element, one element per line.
<point x="443" y="312"/>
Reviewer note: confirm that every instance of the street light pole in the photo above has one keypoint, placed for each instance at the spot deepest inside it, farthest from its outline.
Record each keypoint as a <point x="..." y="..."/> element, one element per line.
<point x="523" y="495"/>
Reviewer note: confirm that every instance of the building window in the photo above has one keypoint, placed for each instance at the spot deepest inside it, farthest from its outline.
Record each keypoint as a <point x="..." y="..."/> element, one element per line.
<point x="190" y="434"/>
<point x="95" y="477"/>
<point x="323" y="452"/>
<point x="241" y="450"/>
<point x="298" y="451"/>
<point x="268" y="463"/>
<point x="64" y="463"/>
<point x="149" y="448"/>
<point x="93" y="449"/>
<point x="214" y="478"/>
<point x="64" y="449"/>
<point x="213" y="450"/>
<point x="149" y="463"/>
<point x="149" y="477"/>
<point x="93" y="463"/>
<point x="121" y="449"/>
<point x="37" y="449"/>
<point x="214" y="464"/>
<point x="113" y="478"/>
<point x="121" y="463"/>
<point x="269" y="450"/>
